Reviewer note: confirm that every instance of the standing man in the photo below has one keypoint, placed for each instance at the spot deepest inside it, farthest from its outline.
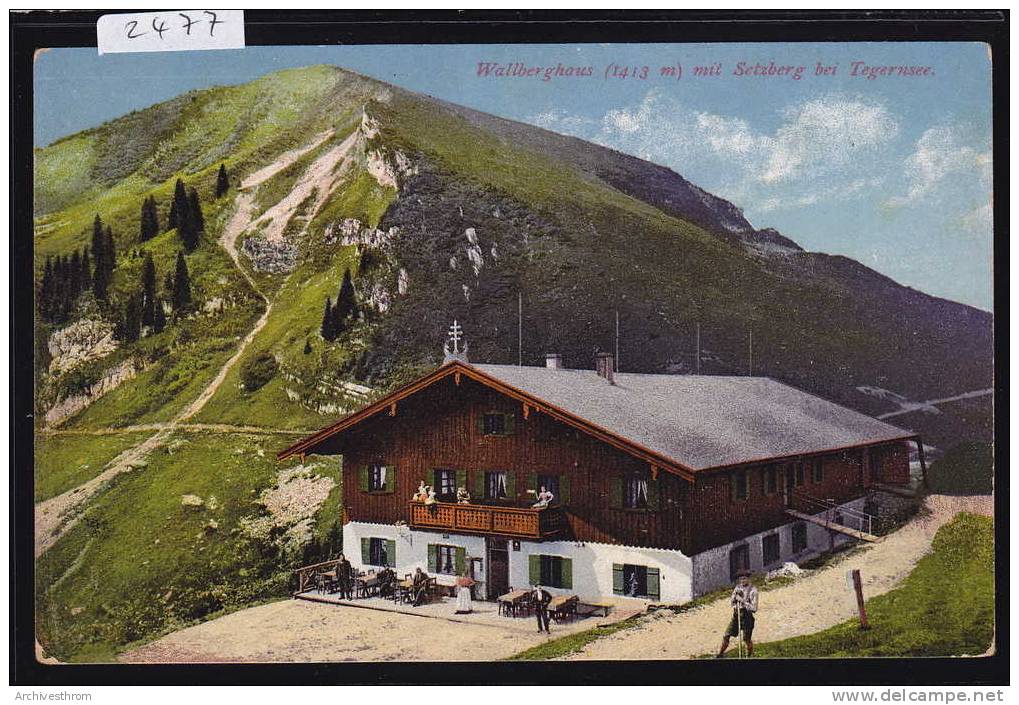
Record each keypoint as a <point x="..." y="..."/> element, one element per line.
<point x="541" y="597"/>
<point x="744" y="606"/>
<point x="344" y="577"/>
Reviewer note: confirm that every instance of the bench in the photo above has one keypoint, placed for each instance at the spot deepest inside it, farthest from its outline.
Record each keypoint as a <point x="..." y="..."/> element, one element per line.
<point x="586" y="609"/>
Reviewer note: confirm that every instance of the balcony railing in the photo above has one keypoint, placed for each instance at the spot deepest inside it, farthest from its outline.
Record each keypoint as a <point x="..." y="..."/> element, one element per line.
<point x="523" y="522"/>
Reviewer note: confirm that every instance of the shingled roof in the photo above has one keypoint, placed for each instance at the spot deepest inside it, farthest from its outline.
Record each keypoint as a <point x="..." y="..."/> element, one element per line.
<point x="701" y="421"/>
<point x="688" y="422"/>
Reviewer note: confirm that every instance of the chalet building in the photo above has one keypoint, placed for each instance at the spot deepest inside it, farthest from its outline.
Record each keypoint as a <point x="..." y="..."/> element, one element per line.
<point x="664" y="485"/>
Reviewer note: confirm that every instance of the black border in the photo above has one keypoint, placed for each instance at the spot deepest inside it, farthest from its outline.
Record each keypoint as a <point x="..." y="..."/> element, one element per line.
<point x="32" y="30"/>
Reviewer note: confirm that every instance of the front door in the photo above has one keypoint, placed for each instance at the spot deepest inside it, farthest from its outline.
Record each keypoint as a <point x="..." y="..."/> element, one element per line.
<point x="498" y="568"/>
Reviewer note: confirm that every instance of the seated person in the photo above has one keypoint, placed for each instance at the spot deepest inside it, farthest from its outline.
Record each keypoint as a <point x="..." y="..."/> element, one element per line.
<point x="545" y="498"/>
<point x="420" y="587"/>
<point x="462" y="496"/>
<point x="422" y="493"/>
<point x="430" y="498"/>
<point x="387" y="581"/>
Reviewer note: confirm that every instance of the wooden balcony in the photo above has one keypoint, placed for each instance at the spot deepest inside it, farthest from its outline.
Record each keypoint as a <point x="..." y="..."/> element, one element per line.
<point x="492" y="520"/>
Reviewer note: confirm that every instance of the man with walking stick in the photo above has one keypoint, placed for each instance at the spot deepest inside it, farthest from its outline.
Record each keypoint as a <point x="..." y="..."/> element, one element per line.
<point x="744" y="605"/>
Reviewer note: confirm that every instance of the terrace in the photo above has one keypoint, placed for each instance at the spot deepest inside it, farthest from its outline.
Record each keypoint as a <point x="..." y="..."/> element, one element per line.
<point x="490" y="520"/>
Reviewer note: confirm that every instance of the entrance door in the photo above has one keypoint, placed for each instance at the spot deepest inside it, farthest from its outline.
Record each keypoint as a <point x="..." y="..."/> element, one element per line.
<point x="498" y="568"/>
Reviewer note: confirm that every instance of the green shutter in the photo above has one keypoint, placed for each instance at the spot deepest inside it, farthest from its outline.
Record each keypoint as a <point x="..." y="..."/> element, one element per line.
<point x="479" y="484"/>
<point x="617" y="579"/>
<point x="390" y="485"/>
<point x="652" y="494"/>
<point x="433" y="558"/>
<point x="461" y="561"/>
<point x="616" y="493"/>
<point x="391" y="553"/>
<point x="534" y="569"/>
<point x="564" y="490"/>
<point x="654" y="590"/>
<point x="363" y="478"/>
<point x="481" y="423"/>
<point x="365" y="551"/>
<point x="747" y="474"/>
<point x="511" y="486"/>
<point x="461" y="479"/>
<point x="511" y="423"/>
<point x="566" y="573"/>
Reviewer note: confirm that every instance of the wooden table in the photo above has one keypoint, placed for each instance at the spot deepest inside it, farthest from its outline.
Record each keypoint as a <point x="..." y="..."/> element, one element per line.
<point x="327" y="580"/>
<point x="563" y="607"/>
<point x="365" y="584"/>
<point x="509" y="602"/>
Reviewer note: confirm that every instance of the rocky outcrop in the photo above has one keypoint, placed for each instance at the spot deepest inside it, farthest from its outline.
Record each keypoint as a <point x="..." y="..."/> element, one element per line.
<point x="83" y="340"/>
<point x="276" y="256"/>
<point x="111" y="379"/>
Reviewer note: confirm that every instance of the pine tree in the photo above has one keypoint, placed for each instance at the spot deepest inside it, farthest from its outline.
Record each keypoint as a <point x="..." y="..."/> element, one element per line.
<point x="222" y="182"/>
<point x="168" y="283"/>
<point x="132" y="325"/>
<point x="158" y="317"/>
<point x="100" y="280"/>
<point x="346" y="302"/>
<point x="328" y="327"/>
<point x="195" y="211"/>
<point x="149" y="302"/>
<point x="149" y="227"/>
<point x="178" y="207"/>
<point x="110" y="251"/>
<point x="47" y="294"/>
<point x="86" y="270"/>
<point x="307" y="346"/>
<point x="338" y="322"/>
<point x="181" y="287"/>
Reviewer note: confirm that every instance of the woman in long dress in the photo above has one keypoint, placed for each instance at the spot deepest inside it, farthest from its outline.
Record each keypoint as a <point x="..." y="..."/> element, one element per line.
<point x="463" y="596"/>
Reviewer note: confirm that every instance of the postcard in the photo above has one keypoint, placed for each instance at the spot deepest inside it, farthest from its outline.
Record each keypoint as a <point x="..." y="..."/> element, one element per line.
<point x="485" y="352"/>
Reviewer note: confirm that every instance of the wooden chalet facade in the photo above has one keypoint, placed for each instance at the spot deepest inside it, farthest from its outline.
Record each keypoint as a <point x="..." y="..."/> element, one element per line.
<point x="647" y="504"/>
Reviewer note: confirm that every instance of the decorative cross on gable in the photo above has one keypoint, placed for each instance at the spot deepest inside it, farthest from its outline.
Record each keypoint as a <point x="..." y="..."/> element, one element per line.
<point x="454" y="336"/>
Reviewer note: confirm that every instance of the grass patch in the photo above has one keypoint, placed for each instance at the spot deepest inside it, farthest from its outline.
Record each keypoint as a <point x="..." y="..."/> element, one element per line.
<point x="572" y="643"/>
<point x="141" y="562"/>
<point x="966" y="469"/>
<point x="66" y="461"/>
<point x="945" y="607"/>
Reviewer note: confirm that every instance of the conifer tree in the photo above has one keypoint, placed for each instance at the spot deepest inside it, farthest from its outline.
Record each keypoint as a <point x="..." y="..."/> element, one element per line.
<point x="149" y="302"/>
<point x="195" y="211"/>
<point x="328" y="326"/>
<point x="158" y="317"/>
<point x="129" y="326"/>
<point x="307" y="346"/>
<point x="86" y="270"/>
<point x="46" y="294"/>
<point x="149" y="226"/>
<point x="346" y="302"/>
<point x="178" y="206"/>
<point x="222" y="182"/>
<point x="181" y="287"/>
<point x="110" y="251"/>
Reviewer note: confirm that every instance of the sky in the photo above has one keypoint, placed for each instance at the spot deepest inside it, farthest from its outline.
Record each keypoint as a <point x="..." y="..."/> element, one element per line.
<point x="891" y="170"/>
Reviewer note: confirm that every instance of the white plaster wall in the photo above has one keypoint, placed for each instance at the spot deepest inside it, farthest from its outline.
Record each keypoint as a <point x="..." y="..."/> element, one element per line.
<point x="411" y="548"/>
<point x="592" y="567"/>
<point x="711" y="568"/>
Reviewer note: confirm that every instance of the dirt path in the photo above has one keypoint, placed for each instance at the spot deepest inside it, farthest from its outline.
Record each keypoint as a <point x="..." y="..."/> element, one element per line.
<point x="810" y="604"/>
<point x="296" y="630"/>
<point x="57" y="515"/>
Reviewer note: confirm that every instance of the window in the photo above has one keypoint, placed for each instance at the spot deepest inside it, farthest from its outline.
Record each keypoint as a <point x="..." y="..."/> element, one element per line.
<point x="817" y="471"/>
<point x="550" y="571"/>
<point x="740" y="485"/>
<point x="496" y="485"/>
<point x="770" y="480"/>
<point x="771" y="548"/>
<point x="495" y="423"/>
<point x="799" y="537"/>
<point x="636" y="496"/>
<point x="636" y="581"/>
<point x="446" y="560"/>
<point x="378" y="552"/>
<point x="377" y="477"/>
<point x="800" y="474"/>
<point x="739" y="560"/>
<point x="445" y="485"/>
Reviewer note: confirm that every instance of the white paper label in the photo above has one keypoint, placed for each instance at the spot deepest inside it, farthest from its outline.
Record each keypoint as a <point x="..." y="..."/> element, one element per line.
<point x="173" y="30"/>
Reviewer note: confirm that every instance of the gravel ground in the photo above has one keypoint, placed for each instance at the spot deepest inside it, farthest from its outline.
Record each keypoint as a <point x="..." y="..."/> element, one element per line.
<point x="815" y="602"/>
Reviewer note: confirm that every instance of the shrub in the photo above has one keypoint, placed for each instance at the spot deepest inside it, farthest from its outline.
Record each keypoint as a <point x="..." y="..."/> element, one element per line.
<point x="257" y="372"/>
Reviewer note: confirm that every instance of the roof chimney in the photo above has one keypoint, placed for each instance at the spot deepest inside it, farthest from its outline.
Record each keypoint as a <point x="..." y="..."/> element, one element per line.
<point x="604" y="365"/>
<point x="554" y="361"/>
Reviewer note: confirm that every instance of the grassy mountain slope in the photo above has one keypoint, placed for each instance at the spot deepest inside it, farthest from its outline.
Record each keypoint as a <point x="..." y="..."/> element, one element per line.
<point x="439" y="212"/>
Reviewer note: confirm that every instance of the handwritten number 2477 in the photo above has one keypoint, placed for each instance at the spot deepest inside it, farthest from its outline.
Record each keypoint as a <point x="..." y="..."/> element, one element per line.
<point x="160" y="27"/>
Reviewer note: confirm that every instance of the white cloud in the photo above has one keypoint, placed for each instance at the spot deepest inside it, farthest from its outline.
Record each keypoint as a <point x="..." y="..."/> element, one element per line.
<point x="940" y="152"/>
<point x="979" y="220"/>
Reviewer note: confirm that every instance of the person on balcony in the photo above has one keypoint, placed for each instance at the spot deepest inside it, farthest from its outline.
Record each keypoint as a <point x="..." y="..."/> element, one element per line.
<point x="422" y="494"/>
<point x="462" y="496"/>
<point x="545" y="498"/>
